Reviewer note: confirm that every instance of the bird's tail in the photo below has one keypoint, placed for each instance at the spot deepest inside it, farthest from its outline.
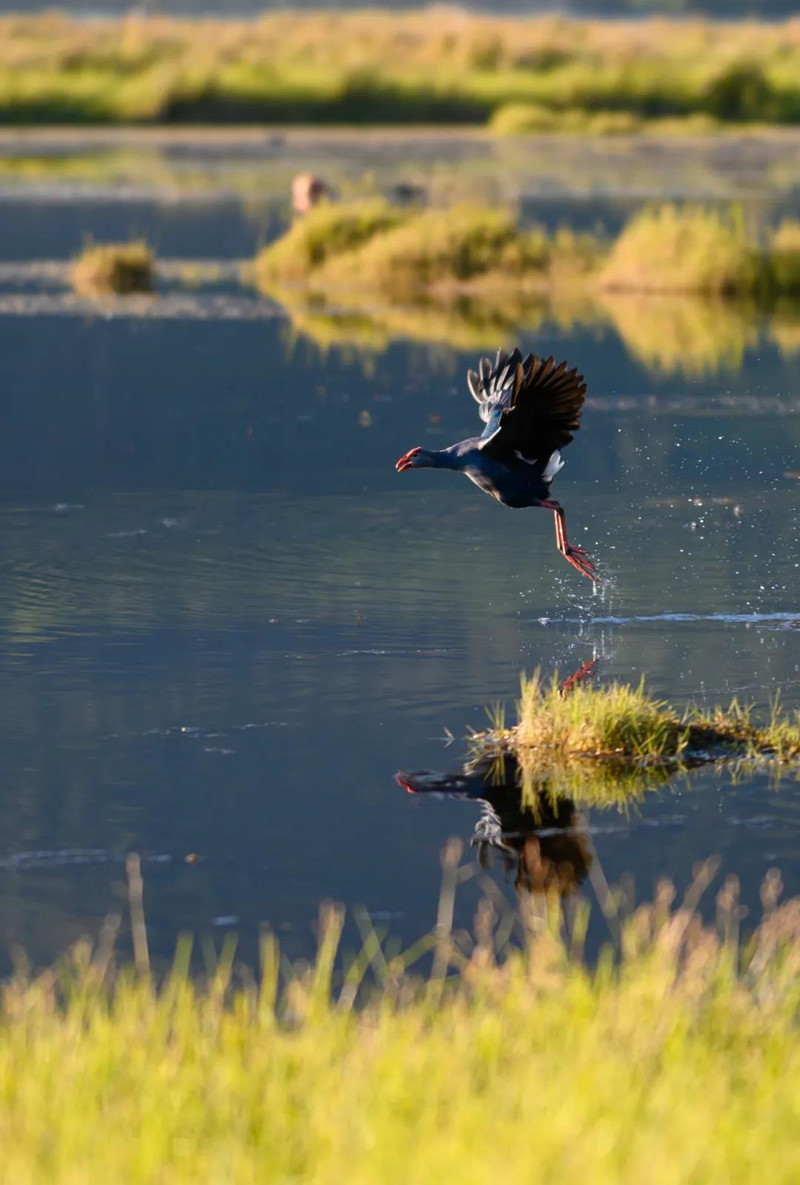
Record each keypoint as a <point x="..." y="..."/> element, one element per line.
<point x="492" y="387"/>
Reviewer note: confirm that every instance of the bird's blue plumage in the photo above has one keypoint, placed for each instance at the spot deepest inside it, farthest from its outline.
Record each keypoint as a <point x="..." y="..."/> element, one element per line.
<point x="531" y="409"/>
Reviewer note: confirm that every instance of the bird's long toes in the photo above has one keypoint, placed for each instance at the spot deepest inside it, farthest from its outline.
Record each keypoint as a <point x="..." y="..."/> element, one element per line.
<point x="584" y="563"/>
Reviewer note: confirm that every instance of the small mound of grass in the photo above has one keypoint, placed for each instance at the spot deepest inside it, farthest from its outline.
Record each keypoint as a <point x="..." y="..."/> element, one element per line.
<point x="325" y="232"/>
<point x="120" y="268"/>
<point x="624" y="722"/>
<point x="685" y="249"/>
<point x="465" y="247"/>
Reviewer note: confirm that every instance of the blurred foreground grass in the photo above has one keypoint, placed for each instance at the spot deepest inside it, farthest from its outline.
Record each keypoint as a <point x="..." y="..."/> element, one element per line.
<point x="676" y="1063"/>
<point x="430" y="66"/>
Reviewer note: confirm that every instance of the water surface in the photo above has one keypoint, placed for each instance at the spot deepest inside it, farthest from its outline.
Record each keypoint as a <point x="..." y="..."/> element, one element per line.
<point x="226" y="622"/>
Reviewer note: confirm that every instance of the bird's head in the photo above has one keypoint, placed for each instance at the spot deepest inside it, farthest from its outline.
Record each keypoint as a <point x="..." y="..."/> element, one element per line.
<point x="415" y="458"/>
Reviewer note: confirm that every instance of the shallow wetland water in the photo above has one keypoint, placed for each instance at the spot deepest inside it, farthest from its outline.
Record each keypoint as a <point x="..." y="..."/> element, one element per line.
<point x="227" y="622"/>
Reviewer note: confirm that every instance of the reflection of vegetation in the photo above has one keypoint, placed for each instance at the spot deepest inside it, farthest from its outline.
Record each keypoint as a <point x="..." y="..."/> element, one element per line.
<point x="500" y="1063"/>
<point x="669" y="334"/>
<point x="113" y="267"/>
<point x="418" y="67"/>
<point x="684" y="334"/>
<point x="621" y="723"/>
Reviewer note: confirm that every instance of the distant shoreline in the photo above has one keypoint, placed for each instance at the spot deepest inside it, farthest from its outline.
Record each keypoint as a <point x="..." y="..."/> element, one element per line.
<point x="421" y="67"/>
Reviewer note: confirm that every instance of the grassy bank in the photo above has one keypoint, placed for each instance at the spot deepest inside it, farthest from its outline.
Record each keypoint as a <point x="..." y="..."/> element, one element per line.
<point x="681" y="1064"/>
<point x="434" y="66"/>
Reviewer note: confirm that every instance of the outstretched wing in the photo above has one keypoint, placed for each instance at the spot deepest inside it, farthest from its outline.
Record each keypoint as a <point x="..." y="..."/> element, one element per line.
<point x="540" y="413"/>
<point x="493" y="386"/>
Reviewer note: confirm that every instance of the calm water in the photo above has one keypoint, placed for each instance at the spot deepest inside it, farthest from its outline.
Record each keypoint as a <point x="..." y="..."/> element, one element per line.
<point x="226" y="622"/>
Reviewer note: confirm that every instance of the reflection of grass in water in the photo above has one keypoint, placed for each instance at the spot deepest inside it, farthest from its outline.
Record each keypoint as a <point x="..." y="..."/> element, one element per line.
<point x="466" y="323"/>
<point x="680" y="335"/>
<point x="683" y="334"/>
<point x="500" y="1064"/>
<point x="611" y="783"/>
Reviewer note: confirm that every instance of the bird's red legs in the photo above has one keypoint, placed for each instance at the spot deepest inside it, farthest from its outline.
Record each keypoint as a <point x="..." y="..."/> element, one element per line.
<point x="577" y="677"/>
<point x="573" y="554"/>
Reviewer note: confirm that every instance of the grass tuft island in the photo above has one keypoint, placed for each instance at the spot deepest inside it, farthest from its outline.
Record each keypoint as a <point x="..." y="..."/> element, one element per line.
<point x="621" y="722"/>
<point x="113" y="268"/>
<point x="416" y="254"/>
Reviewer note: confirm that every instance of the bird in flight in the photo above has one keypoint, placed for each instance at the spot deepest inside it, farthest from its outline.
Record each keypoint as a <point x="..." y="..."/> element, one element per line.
<point x="531" y="409"/>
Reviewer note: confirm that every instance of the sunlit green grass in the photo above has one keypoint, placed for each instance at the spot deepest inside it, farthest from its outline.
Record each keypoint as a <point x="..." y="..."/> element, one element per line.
<point x="433" y="65"/>
<point x="665" y="249"/>
<point x="622" y="721"/>
<point x="678" y="1064"/>
<point x="324" y="233"/>
<point x="685" y="249"/>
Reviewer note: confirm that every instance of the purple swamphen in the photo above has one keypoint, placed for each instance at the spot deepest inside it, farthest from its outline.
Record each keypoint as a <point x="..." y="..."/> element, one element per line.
<point x="531" y="409"/>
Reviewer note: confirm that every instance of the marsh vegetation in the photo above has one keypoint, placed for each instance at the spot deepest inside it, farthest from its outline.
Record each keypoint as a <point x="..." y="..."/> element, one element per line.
<point x="417" y="253"/>
<point x="280" y="1076"/>
<point x="118" y="268"/>
<point x="623" y="723"/>
<point x="432" y="66"/>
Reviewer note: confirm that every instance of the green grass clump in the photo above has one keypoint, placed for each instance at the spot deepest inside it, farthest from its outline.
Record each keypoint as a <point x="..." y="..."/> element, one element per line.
<point x="120" y="268"/>
<point x="621" y="721"/>
<point x="437" y="246"/>
<point x="404" y="253"/>
<point x="684" y="249"/>
<point x="681" y="1063"/>
<point x="325" y="232"/>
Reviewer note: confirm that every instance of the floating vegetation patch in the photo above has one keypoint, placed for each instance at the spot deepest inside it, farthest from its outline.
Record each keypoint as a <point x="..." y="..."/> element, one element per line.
<point x="119" y="268"/>
<point x="621" y="724"/>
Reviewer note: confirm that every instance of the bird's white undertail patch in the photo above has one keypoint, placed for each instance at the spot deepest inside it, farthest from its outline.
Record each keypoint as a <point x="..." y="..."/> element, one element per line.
<point x="553" y="465"/>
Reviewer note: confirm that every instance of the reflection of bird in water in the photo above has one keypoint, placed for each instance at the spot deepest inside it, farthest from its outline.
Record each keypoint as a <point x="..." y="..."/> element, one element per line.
<point x="538" y="838"/>
<point x="531" y="409"/>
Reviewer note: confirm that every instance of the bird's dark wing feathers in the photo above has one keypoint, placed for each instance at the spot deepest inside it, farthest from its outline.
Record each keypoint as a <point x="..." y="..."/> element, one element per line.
<point x="532" y="413"/>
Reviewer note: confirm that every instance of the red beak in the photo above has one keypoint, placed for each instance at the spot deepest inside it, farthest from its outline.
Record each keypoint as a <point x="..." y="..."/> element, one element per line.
<point x="405" y="461"/>
<point x="400" y="779"/>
